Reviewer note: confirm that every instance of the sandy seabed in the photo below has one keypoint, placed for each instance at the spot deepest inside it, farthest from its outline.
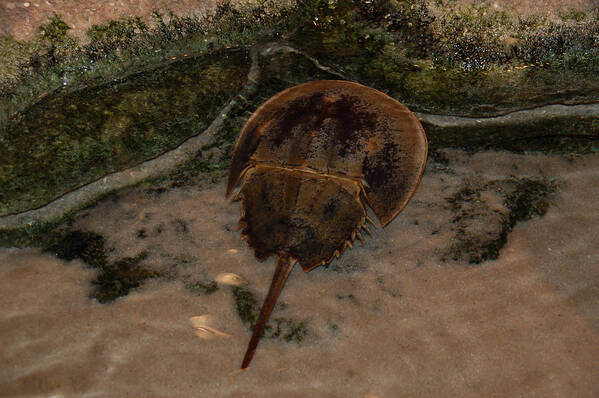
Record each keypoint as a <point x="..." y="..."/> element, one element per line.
<point x="405" y="323"/>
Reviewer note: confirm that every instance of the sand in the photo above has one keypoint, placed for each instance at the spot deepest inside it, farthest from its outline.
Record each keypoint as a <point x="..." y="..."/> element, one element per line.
<point x="388" y="319"/>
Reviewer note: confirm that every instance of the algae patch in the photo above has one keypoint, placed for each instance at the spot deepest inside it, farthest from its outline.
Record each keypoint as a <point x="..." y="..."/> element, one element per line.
<point x="463" y="61"/>
<point x="203" y="288"/>
<point x="87" y="246"/>
<point x="72" y="138"/>
<point x="114" y="279"/>
<point x="282" y="328"/>
<point x="480" y="230"/>
<point x="557" y="135"/>
<point x="117" y="279"/>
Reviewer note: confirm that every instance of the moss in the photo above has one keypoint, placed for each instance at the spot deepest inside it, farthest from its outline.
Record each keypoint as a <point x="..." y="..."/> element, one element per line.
<point x="84" y="245"/>
<point x="557" y="135"/>
<point x="524" y="199"/>
<point x="114" y="37"/>
<point x="423" y="53"/>
<point x="279" y="71"/>
<point x="248" y="309"/>
<point x="530" y="198"/>
<point x="287" y="330"/>
<point x="69" y="139"/>
<point x="457" y="62"/>
<point x="54" y="45"/>
<point x="284" y="70"/>
<point x="55" y="31"/>
<point x="14" y="57"/>
<point x="33" y="235"/>
<point x="204" y="288"/>
<point x="247" y="306"/>
<point x="117" y="279"/>
<point x="467" y="61"/>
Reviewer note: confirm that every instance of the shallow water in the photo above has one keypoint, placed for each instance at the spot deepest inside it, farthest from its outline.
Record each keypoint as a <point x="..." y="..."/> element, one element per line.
<point x="389" y="318"/>
<point x="487" y="284"/>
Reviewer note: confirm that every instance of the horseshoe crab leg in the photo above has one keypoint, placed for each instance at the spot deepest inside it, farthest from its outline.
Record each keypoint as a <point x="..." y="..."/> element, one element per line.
<point x="284" y="265"/>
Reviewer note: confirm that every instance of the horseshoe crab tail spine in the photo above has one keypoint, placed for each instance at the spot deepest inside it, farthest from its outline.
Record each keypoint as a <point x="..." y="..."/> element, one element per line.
<point x="284" y="265"/>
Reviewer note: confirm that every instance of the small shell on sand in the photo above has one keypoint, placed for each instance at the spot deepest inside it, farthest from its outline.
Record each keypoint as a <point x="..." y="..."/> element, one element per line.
<point x="229" y="278"/>
<point x="202" y="327"/>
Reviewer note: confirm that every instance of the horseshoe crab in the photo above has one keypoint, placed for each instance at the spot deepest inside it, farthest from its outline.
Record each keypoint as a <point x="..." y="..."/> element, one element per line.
<point x="309" y="161"/>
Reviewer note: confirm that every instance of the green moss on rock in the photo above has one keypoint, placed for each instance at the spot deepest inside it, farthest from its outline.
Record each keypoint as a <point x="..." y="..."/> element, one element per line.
<point x="558" y="135"/>
<point x="464" y="62"/>
<point x="69" y="139"/>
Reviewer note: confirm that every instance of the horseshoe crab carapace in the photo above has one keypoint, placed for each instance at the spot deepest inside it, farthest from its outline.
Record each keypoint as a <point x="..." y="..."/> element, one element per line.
<point x="309" y="161"/>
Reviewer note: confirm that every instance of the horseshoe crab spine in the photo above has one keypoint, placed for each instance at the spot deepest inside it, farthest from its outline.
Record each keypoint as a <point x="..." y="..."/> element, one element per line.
<point x="284" y="266"/>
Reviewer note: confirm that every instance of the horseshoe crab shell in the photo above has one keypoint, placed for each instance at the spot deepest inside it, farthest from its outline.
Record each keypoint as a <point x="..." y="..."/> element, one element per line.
<point x="338" y="128"/>
<point x="309" y="160"/>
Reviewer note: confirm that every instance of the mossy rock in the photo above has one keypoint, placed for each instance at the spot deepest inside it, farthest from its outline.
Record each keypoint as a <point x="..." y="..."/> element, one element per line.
<point x="578" y="135"/>
<point x="72" y="138"/>
<point x="454" y="63"/>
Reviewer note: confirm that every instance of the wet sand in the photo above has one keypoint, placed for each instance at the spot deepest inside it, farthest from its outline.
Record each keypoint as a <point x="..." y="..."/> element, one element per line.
<point x="387" y="319"/>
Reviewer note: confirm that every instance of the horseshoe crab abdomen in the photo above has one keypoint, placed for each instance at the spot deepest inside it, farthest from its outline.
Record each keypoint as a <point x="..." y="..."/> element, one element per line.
<point x="310" y="216"/>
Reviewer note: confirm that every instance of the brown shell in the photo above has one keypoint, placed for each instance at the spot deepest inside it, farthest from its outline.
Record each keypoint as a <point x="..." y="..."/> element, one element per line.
<point x="339" y="128"/>
<point x="317" y="144"/>
<point x="308" y="216"/>
<point x="308" y="160"/>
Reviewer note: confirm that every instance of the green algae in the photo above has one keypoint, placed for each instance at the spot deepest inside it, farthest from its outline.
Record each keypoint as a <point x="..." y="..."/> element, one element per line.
<point x="55" y="45"/>
<point x="279" y="71"/>
<point x="281" y="328"/>
<point x="554" y="135"/>
<point x="529" y="198"/>
<point x="288" y="330"/>
<point x="115" y="279"/>
<point x="114" y="37"/>
<point x="87" y="246"/>
<point x="433" y="56"/>
<point x="14" y="56"/>
<point x="31" y="235"/>
<point x="203" y="288"/>
<point x="124" y="46"/>
<point x="119" y="278"/>
<point x="247" y="306"/>
<point x="455" y="63"/>
<point x="67" y="140"/>
<point x="284" y="69"/>
<point x="524" y="199"/>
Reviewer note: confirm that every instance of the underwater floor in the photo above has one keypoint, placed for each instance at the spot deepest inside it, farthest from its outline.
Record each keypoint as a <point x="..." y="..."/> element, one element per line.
<point x="407" y="313"/>
<point x="122" y="270"/>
